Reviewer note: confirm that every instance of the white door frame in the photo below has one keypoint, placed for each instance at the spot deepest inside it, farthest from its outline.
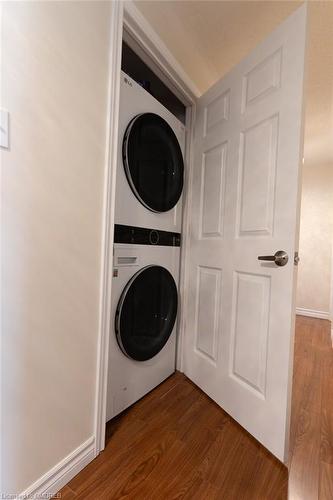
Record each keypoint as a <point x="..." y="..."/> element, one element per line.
<point x="331" y="297"/>
<point x="125" y="16"/>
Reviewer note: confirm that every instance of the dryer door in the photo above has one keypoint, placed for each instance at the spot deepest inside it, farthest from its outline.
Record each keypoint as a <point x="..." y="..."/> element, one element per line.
<point x="153" y="162"/>
<point x="146" y="313"/>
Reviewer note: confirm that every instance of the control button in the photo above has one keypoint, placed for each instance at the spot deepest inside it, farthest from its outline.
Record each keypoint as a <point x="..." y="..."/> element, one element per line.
<point x="153" y="237"/>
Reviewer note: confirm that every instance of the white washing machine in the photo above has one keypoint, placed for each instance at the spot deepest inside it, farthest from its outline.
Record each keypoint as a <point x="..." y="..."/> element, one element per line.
<point x="150" y="163"/>
<point x="142" y="348"/>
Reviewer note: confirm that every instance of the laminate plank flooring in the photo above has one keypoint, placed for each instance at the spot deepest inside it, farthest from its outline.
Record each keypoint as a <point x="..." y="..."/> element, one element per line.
<point x="311" y="460"/>
<point x="176" y="443"/>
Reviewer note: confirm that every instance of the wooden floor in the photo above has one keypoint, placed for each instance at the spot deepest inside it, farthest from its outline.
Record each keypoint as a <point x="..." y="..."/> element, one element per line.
<point x="177" y="444"/>
<point x="311" y="464"/>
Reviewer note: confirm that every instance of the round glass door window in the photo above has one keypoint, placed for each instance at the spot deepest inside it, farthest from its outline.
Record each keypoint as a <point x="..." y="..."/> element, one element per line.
<point x="153" y="162"/>
<point x="146" y="313"/>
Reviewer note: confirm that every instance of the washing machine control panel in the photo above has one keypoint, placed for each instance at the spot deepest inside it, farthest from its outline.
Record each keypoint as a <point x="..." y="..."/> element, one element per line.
<point x="145" y="236"/>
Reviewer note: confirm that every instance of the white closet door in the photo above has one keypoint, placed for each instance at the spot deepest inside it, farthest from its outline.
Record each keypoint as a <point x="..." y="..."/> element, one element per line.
<point x="245" y="203"/>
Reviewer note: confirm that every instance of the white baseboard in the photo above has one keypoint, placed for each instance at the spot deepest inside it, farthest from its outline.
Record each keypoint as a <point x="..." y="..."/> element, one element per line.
<point x="312" y="313"/>
<point x="57" y="477"/>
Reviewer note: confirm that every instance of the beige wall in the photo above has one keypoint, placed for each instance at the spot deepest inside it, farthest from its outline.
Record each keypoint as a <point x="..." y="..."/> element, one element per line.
<point x="316" y="228"/>
<point x="209" y="37"/>
<point x="316" y="237"/>
<point x="54" y="83"/>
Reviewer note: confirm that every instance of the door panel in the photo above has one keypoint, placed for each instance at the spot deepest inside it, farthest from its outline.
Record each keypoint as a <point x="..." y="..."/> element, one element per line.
<point x="250" y="329"/>
<point x="262" y="79"/>
<point x="258" y="150"/>
<point x="208" y="304"/>
<point x="213" y="185"/>
<point x="245" y="203"/>
<point x="216" y="112"/>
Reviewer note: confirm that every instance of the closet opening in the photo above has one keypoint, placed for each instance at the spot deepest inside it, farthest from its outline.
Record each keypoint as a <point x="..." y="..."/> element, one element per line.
<point x="147" y="275"/>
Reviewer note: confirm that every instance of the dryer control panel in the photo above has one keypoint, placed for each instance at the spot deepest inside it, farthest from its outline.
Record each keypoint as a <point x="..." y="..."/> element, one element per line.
<point x="145" y="236"/>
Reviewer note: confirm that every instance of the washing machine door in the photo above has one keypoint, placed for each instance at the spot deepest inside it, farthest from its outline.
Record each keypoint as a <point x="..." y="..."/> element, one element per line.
<point x="146" y="313"/>
<point x="153" y="162"/>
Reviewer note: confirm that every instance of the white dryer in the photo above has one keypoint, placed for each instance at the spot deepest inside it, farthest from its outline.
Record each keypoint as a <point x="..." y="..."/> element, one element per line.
<point x="142" y="347"/>
<point x="150" y="169"/>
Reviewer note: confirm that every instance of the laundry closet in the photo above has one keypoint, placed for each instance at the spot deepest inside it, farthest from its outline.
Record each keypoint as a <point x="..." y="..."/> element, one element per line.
<point x="147" y="235"/>
<point x="206" y="214"/>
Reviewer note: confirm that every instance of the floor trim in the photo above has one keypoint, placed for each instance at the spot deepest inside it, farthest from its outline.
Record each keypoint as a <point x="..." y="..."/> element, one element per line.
<point x="57" y="477"/>
<point x="312" y="313"/>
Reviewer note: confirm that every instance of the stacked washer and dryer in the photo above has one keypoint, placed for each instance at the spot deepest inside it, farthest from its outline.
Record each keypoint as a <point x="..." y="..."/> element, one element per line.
<point x="142" y="347"/>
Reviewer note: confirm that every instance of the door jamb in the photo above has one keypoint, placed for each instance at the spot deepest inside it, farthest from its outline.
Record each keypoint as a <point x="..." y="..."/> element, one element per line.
<point x="125" y="16"/>
<point x="116" y="21"/>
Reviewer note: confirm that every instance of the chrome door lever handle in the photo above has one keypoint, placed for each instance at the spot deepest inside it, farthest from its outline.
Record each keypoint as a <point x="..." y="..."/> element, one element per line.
<point x="280" y="258"/>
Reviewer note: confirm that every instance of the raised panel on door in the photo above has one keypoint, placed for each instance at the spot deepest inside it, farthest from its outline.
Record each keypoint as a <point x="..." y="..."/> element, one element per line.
<point x="258" y="158"/>
<point x="216" y="112"/>
<point x="262" y="79"/>
<point x="250" y="331"/>
<point x="207" y="315"/>
<point x="213" y="191"/>
<point x="208" y="218"/>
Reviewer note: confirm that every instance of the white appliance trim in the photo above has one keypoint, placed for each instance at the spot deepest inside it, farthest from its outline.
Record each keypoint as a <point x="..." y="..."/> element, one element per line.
<point x="57" y="477"/>
<point x="312" y="313"/>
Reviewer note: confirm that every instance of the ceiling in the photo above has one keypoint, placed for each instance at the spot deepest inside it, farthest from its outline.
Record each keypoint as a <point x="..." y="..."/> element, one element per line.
<point x="209" y="37"/>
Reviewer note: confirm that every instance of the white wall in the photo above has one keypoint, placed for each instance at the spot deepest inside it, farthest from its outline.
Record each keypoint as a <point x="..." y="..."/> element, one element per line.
<point x="316" y="238"/>
<point x="54" y="83"/>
